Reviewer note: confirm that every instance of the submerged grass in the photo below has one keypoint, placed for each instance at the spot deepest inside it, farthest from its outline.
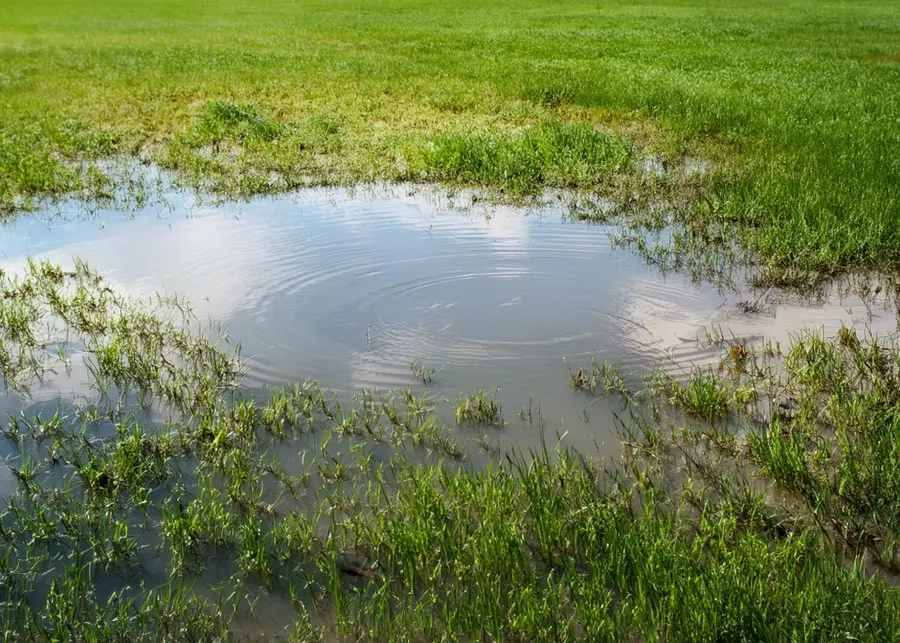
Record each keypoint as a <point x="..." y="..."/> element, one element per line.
<point x="383" y="529"/>
<point x="703" y="397"/>
<point x="834" y="441"/>
<point x="603" y="377"/>
<point x="819" y="421"/>
<point x="772" y="128"/>
<point x="478" y="409"/>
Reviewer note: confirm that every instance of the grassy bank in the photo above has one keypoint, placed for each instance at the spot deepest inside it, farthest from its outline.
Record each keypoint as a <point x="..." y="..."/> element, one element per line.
<point x="789" y="106"/>
<point x="303" y="517"/>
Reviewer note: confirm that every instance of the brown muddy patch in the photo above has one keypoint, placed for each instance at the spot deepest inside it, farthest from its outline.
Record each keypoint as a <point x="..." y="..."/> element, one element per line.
<point x="892" y="58"/>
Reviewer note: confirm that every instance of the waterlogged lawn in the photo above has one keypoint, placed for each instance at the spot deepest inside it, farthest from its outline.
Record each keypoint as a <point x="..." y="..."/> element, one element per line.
<point x="754" y="499"/>
<point x="790" y="107"/>
<point x="305" y="517"/>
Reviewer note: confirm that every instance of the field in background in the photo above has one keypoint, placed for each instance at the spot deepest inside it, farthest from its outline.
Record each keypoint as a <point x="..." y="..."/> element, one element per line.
<point x="791" y="108"/>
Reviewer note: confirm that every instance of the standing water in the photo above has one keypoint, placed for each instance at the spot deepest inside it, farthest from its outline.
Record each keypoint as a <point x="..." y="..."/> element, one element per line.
<point x="349" y="290"/>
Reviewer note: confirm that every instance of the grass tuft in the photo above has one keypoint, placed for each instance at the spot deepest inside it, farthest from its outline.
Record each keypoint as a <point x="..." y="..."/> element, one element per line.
<point x="704" y="397"/>
<point x="478" y="409"/>
<point x="223" y="120"/>
<point x="548" y="154"/>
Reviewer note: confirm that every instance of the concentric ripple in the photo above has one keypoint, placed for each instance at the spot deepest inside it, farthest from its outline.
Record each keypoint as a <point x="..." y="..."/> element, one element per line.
<point x="350" y="290"/>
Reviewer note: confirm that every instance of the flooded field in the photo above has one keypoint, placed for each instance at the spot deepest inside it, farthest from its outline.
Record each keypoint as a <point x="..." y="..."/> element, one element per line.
<point x="351" y="288"/>
<point x="659" y="400"/>
<point x="400" y="305"/>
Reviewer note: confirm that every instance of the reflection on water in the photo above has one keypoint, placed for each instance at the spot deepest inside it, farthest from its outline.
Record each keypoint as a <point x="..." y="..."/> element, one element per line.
<point x="350" y="289"/>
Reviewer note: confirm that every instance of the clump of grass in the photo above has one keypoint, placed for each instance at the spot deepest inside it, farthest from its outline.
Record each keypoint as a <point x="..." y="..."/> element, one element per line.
<point x="422" y="372"/>
<point x="847" y="337"/>
<point x="833" y="440"/>
<point x="223" y="151"/>
<point x="290" y="409"/>
<point x="705" y="396"/>
<point x="548" y="154"/>
<point x="559" y="90"/>
<point x="738" y="356"/>
<point x="438" y="437"/>
<point x="224" y="120"/>
<point x="245" y="124"/>
<point x="153" y="353"/>
<point x="51" y="159"/>
<point x="604" y="376"/>
<point x="478" y="409"/>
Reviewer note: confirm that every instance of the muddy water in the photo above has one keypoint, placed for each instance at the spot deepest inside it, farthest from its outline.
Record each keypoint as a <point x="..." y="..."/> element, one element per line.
<point x="350" y="288"/>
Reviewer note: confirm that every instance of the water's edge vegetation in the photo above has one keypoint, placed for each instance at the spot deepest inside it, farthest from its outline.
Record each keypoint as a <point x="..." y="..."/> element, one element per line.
<point x="752" y="501"/>
<point x="770" y="127"/>
<point x="755" y="500"/>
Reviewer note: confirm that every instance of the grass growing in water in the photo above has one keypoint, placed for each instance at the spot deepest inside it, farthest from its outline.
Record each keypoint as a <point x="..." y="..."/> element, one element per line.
<point x="384" y="531"/>
<point x="840" y="457"/>
<point x="478" y="409"/>
<point x="422" y="372"/>
<point x="704" y="396"/>
<point x="603" y="376"/>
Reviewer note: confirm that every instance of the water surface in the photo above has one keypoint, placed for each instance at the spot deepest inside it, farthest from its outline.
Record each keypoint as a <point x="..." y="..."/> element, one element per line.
<point x="349" y="288"/>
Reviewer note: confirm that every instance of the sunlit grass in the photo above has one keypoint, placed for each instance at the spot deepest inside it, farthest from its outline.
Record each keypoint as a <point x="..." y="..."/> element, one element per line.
<point x="774" y="125"/>
<point x="478" y="409"/>
<point x="545" y="155"/>
<point x="368" y="520"/>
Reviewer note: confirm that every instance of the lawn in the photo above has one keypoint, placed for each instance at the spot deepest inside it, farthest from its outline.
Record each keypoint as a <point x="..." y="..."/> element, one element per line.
<point x="792" y="107"/>
<point x="753" y="500"/>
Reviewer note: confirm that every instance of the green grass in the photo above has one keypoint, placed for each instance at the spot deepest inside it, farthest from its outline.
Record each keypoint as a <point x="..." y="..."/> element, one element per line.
<point x="704" y="396"/>
<point x="383" y="528"/>
<point x="603" y="377"/>
<point x="840" y="456"/>
<point x="422" y="372"/>
<point x="820" y="422"/>
<point x="479" y="409"/>
<point x="790" y="105"/>
<point x="545" y="155"/>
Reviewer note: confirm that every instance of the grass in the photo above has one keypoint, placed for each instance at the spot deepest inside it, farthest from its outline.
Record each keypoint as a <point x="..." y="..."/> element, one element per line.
<point x="819" y="422"/>
<point x="384" y="529"/>
<point x="764" y="132"/>
<point x="773" y="128"/>
<point x="478" y="409"/>
<point x="546" y="155"/>
<point x="154" y="351"/>
<point x="704" y="396"/>
<point x="422" y="372"/>
<point x="840" y="458"/>
<point x="604" y="377"/>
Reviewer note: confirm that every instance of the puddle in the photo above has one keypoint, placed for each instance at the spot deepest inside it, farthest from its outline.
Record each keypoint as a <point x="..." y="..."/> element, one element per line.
<point x="348" y="289"/>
